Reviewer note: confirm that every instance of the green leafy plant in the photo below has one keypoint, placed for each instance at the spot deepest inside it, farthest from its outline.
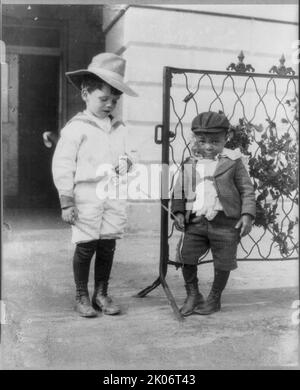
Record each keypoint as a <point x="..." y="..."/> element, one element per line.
<point x="273" y="167"/>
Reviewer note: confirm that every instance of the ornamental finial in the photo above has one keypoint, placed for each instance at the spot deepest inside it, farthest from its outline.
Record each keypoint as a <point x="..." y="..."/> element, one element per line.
<point x="240" y="67"/>
<point x="281" y="70"/>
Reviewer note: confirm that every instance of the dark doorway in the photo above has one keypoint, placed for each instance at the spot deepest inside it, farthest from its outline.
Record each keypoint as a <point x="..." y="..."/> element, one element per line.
<point x="38" y="112"/>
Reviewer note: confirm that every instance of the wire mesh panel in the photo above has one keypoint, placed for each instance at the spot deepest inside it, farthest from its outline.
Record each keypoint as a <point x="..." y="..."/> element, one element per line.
<point x="259" y="107"/>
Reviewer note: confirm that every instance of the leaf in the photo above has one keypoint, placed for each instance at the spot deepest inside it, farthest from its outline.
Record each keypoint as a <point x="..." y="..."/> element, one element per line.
<point x="261" y="197"/>
<point x="273" y="169"/>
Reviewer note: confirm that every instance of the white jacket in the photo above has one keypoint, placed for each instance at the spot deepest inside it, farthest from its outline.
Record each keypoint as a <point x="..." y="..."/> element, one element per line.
<point x="85" y="144"/>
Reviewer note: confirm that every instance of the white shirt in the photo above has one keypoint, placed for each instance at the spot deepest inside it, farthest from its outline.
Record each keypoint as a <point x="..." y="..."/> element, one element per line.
<point x="207" y="202"/>
<point x="104" y="123"/>
<point x="83" y="148"/>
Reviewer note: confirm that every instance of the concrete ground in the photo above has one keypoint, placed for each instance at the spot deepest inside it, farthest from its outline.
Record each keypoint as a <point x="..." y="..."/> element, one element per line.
<point x="254" y="330"/>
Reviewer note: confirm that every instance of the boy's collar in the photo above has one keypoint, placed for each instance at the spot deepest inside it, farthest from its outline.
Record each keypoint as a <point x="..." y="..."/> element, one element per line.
<point x="232" y="154"/>
<point x="114" y="121"/>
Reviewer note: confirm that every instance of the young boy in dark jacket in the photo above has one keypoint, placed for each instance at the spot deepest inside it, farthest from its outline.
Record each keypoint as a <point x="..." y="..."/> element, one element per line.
<point x="214" y="204"/>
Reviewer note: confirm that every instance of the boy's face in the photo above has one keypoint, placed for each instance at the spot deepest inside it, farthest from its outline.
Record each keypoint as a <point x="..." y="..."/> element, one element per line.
<point x="208" y="145"/>
<point x="100" y="102"/>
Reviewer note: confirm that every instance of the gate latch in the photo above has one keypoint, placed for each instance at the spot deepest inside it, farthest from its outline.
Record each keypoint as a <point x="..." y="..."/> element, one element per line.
<point x="157" y="138"/>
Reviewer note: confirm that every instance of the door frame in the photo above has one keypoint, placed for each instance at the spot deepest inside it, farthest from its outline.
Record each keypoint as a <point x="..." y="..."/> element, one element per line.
<point x="47" y="51"/>
<point x="10" y="124"/>
<point x="60" y="51"/>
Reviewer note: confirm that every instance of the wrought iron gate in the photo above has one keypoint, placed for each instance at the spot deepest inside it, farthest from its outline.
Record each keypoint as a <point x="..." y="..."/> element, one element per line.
<point x="251" y="100"/>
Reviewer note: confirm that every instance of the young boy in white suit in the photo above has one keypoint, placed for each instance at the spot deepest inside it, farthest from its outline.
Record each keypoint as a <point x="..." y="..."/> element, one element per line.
<point x="90" y="140"/>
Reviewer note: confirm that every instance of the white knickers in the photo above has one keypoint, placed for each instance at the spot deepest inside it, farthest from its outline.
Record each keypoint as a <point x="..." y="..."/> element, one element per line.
<point x="97" y="218"/>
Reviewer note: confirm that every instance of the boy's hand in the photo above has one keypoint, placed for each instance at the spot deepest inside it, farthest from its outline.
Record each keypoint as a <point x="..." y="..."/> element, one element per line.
<point x="245" y="223"/>
<point x="124" y="166"/>
<point x="69" y="215"/>
<point x="179" y="221"/>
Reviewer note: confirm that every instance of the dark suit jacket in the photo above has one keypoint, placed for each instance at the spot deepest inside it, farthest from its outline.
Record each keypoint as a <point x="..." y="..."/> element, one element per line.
<point x="232" y="182"/>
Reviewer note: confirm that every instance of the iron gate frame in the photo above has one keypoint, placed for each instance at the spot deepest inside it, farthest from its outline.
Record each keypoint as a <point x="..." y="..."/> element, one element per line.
<point x="166" y="134"/>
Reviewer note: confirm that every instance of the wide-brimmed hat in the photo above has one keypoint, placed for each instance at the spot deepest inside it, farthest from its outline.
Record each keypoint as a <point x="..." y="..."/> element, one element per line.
<point x="109" y="67"/>
<point x="210" y="122"/>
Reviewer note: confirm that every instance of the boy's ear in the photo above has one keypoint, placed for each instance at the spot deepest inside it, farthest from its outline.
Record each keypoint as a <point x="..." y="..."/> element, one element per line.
<point x="84" y="93"/>
<point x="229" y="135"/>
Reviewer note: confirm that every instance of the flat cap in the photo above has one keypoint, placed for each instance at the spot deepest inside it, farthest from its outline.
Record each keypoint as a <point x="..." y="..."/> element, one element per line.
<point x="210" y="122"/>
